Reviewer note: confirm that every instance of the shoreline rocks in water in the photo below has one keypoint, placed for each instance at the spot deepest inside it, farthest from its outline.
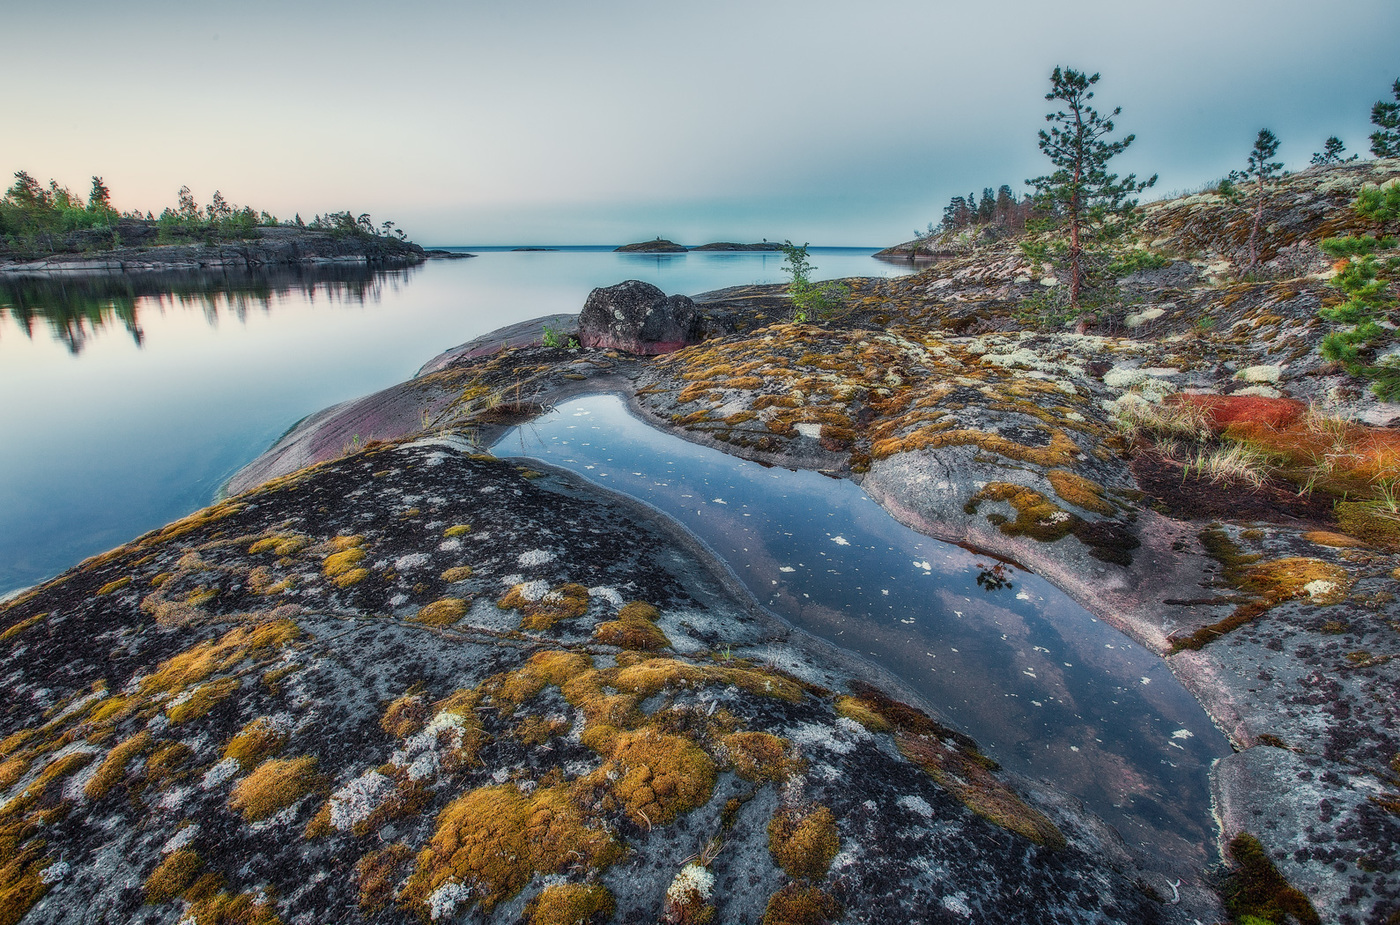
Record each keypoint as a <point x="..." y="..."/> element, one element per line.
<point x="275" y="246"/>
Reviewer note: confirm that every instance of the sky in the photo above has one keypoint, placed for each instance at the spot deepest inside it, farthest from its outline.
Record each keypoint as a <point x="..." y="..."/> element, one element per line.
<point x="551" y="122"/>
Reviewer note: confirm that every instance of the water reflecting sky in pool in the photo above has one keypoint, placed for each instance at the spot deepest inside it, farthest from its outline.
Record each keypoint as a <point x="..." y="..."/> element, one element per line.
<point x="1045" y="688"/>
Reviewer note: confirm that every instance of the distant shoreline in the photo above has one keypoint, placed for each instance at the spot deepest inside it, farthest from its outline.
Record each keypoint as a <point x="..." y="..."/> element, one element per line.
<point x="273" y="247"/>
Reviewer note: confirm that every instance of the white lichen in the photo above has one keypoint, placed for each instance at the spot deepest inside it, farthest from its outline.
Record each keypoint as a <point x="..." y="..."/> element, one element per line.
<point x="531" y="558"/>
<point x="1320" y="588"/>
<point x="1268" y="374"/>
<point x="916" y="805"/>
<point x="445" y="899"/>
<point x="413" y="560"/>
<point x="357" y="800"/>
<point x="693" y="884"/>
<point x="610" y="595"/>
<point x="220" y="773"/>
<point x="55" y="872"/>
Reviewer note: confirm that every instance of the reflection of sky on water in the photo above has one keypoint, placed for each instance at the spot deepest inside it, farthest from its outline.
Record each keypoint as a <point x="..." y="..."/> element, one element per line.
<point x="1047" y="690"/>
<point x="134" y="396"/>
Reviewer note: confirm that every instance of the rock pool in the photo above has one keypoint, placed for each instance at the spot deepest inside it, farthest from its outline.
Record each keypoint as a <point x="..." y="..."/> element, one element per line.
<point x="1045" y="688"/>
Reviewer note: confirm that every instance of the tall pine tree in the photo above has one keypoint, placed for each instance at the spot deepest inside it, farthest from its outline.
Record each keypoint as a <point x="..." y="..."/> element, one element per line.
<point x="1092" y="200"/>
<point x="1260" y="172"/>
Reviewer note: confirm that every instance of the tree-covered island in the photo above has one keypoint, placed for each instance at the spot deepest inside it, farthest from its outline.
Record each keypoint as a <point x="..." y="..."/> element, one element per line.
<point x="48" y="228"/>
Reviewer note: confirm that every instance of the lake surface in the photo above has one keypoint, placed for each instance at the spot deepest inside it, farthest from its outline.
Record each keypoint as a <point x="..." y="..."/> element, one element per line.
<point x="1044" y="687"/>
<point x="130" y="399"/>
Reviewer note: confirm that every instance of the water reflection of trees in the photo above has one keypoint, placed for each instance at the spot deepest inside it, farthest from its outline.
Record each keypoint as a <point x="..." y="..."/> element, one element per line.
<point x="995" y="577"/>
<point x="76" y="308"/>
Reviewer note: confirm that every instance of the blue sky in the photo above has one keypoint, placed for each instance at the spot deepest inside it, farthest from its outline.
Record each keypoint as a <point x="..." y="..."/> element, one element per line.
<point x="606" y="122"/>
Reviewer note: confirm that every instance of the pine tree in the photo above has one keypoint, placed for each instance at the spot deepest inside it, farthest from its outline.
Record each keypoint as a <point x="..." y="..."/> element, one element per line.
<point x="188" y="209"/>
<point x="1331" y="153"/>
<point x="1385" y="141"/>
<point x="100" y="199"/>
<point x="955" y="214"/>
<point x="1260" y="172"/>
<point x="987" y="206"/>
<point x="1091" y="199"/>
<point x="1006" y="204"/>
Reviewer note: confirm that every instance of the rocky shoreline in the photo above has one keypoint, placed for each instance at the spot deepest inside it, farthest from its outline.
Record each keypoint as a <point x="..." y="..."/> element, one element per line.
<point x="273" y="247"/>
<point x="589" y="681"/>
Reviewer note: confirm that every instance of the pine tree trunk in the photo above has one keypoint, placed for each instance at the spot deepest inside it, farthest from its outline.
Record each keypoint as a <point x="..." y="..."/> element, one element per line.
<point x="1254" y="227"/>
<point x="1075" y="272"/>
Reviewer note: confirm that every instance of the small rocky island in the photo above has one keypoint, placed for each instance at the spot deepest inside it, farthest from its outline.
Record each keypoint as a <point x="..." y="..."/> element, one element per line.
<point x="408" y="681"/>
<point x="663" y="246"/>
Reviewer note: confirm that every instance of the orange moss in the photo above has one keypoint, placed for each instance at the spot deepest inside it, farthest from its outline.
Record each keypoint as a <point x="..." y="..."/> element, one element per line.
<point x="11" y="770"/>
<point x="274" y="785"/>
<point x="655" y="776"/>
<point x="759" y="756"/>
<point x="801" y="905"/>
<point x="1036" y="515"/>
<point x="536" y="730"/>
<point x="1060" y="451"/>
<point x="166" y="763"/>
<point x="570" y="904"/>
<point x="378" y="873"/>
<point x="1371" y="522"/>
<point x="1321" y="582"/>
<point x="542" y="668"/>
<point x="281" y="544"/>
<point x="1078" y="491"/>
<point x="858" y="710"/>
<point x="352" y="577"/>
<point x="952" y="759"/>
<point x="117" y="585"/>
<point x="464" y="732"/>
<point x="172" y="876"/>
<point x="113" y="767"/>
<point x="17" y="628"/>
<point x="457" y="573"/>
<point x="405" y="716"/>
<point x="207" y="658"/>
<point x="803" y="842"/>
<point x="195" y="521"/>
<point x="498" y="838"/>
<point x="1331" y="539"/>
<point x="564" y="602"/>
<point x="634" y="628"/>
<point x="201" y="700"/>
<point x="225" y="909"/>
<point x="349" y="552"/>
<point x="442" y="612"/>
<point x="255" y="741"/>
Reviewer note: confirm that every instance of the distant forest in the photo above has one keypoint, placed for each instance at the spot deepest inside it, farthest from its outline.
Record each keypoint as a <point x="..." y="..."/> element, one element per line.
<point x="998" y="207"/>
<point x="38" y="218"/>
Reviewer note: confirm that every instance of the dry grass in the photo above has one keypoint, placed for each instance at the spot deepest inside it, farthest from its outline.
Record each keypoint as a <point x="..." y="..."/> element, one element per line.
<point x="1230" y="464"/>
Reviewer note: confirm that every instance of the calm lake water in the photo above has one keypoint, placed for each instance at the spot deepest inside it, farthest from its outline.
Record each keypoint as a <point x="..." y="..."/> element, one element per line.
<point x="1044" y="687"/>
<point x="131" y="399"/>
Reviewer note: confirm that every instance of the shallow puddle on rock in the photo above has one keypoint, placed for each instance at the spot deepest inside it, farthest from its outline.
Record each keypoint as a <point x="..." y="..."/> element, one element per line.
<point x="1044" y="687"/>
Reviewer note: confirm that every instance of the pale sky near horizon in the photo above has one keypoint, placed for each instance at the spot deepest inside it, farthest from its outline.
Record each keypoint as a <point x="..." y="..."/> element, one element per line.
<point x="605" y="122"/>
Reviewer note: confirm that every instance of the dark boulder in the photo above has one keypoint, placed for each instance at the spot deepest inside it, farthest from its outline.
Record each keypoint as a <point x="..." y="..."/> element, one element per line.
<point x="639" y="318"/>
